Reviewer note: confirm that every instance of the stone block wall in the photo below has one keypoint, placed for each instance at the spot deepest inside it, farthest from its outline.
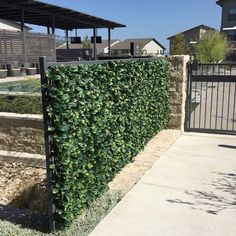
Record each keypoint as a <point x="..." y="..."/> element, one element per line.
<point x="178" y="91"/>
<point x="21" y="133"/>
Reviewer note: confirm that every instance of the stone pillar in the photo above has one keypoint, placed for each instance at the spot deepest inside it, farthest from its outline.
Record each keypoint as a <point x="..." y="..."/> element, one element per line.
<point x="178" y="91"/>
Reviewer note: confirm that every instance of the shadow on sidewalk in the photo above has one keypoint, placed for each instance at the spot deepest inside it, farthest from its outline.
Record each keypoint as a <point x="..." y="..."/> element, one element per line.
<point x="213" y="202"/>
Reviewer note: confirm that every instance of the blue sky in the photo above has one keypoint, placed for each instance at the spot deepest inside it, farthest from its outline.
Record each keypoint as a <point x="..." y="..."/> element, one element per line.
<point x="148" y="18"/>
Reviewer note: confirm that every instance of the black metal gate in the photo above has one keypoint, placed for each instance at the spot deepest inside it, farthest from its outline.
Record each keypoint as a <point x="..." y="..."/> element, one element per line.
<point x="211" y="103"/>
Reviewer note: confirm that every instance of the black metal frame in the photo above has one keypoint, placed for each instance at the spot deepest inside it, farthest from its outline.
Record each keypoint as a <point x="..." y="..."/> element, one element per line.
<point x="48" y="144"/>
<point x="218" y="74"/>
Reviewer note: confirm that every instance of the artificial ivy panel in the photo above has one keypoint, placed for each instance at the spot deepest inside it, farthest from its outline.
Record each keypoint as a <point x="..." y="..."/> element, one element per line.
<point x="102" y="116"/>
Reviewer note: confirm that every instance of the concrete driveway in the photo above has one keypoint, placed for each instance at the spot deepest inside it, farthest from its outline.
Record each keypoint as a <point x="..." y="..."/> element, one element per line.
<point x="191" y="191"/>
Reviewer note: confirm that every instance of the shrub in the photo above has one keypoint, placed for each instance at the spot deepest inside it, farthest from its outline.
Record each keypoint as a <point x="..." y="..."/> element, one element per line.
<point x="21" y="104"/>
<point x="102" y="116"/>
<point x="212" y="47"/>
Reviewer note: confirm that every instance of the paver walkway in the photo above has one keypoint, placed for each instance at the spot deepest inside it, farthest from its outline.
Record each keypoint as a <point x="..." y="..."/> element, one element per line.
<point x="191" y="191"/>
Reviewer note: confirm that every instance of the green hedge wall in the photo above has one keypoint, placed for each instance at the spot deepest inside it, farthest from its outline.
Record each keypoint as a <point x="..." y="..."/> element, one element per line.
<point x="102" y="116"/>
<point x="21" y="104"/>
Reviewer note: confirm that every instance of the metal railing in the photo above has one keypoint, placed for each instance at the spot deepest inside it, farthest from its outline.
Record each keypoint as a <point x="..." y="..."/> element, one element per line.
<point x="211" y="105"/>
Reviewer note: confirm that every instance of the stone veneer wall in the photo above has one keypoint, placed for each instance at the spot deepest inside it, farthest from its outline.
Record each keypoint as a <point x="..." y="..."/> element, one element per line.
<point x="178" y="91"/>
<point x="21" y="133"/>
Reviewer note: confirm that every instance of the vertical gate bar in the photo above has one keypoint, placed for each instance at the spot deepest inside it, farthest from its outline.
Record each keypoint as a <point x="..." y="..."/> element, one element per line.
<point x="194" y="115"/>
<point x="48" y="143"/>
<point x="227" y="126"/>
<point x="200" y="108"/>
<point x="217" y="101"/>
<point x="206" y="105"/>
<point x="189" y="95"/>
<point x="212" y="92"/>
<point x="234" y="107"/>
<point x="223" y="101"/>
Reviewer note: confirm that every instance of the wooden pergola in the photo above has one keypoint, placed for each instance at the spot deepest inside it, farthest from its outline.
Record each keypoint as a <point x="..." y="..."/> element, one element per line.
<point x="52" y="17"/>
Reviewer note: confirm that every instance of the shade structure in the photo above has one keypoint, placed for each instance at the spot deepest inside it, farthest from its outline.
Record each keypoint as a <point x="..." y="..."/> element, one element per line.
<point x="44" y="14"/>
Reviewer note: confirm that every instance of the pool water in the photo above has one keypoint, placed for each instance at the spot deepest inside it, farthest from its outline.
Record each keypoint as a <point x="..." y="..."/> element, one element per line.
<point x="33" y="86"/>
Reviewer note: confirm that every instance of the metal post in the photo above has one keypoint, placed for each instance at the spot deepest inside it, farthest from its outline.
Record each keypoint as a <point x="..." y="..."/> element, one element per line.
<point x="50" y="160"/>
<point x="54" y="37"/>
<point x="76" y="32"/>
<point x="109" y="42"/>
<point x="22" y="20"/>
<point x="53" y="25"/>
<point x="48" y="29"/>
<point x="67" y="45"/>
<point x="24" y="35"/>
<point x="94" y="43"/>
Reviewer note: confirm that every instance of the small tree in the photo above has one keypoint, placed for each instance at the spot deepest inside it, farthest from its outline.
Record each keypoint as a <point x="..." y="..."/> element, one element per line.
<point x="86" y="43"/>
<point x="212" y="47"/>
<point x="179" y="45"/>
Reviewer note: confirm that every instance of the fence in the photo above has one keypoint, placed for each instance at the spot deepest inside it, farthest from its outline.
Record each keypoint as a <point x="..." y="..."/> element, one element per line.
<point x="211" y="104"/>
<point x="96" y="123"/>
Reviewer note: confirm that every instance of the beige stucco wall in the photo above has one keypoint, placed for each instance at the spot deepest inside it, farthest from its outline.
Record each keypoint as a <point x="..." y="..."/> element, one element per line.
<point x="7" y="27"/>
<point x="152" y="48"/>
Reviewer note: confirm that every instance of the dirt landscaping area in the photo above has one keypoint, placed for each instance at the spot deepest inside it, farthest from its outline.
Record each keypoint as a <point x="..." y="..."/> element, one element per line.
<point x="22" y="186"/>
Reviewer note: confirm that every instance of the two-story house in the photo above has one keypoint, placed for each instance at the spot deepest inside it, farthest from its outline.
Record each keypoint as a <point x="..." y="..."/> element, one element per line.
<point x="228" y="24"/>
<point x="191" y="36"/>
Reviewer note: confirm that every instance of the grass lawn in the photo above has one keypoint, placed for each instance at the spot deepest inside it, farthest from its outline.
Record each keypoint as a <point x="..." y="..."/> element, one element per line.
<point x="83" y="226"/>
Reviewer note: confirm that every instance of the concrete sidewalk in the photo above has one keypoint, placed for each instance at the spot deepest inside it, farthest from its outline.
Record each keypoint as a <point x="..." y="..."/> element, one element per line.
<point x="191" y="191"/>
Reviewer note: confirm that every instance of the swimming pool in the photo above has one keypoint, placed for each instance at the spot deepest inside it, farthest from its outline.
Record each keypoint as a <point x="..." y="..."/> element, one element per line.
<point x="31" y="85"/>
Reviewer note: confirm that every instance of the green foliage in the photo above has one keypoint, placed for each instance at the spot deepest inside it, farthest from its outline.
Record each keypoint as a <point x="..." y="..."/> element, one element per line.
<point x="86" y="43"/>
<point x="179" y="46"/>
<point x="212" y="47"/>
<point x="102" y="116"/>
<point x="21" y="104"/>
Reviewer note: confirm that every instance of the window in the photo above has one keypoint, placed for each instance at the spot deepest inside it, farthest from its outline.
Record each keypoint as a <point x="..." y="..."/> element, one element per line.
<point x="231" y="35"/>
<point x="232" y="14"/>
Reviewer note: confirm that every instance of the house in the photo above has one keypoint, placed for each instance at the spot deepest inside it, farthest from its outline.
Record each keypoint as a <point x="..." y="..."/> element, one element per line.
<point x="77" y="51"/>
<point x="12" y="26"/>
<point x="191" y="36"/>
<point x="142" y="46"/>
<point x="228" y="25"/>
